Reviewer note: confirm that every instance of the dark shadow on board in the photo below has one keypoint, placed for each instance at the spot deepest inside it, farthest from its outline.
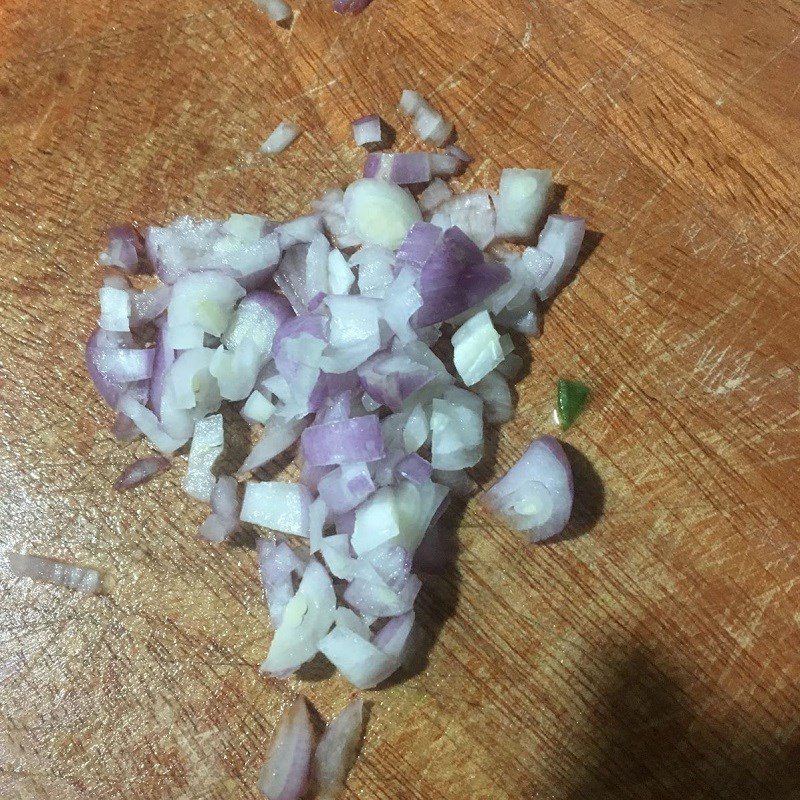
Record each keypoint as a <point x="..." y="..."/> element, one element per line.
<point x="646" y="741"/>
<point x="590" y="498"/>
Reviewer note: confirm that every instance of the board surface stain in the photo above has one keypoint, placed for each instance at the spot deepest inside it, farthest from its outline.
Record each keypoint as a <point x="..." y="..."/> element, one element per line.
<point x="653" y="652"/>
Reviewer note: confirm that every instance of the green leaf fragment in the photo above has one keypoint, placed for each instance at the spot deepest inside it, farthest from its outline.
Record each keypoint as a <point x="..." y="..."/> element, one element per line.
<point x="571" y="398"/>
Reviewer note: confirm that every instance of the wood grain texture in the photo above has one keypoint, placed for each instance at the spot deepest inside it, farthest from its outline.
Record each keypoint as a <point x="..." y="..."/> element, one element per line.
<point x="652" y="654"/>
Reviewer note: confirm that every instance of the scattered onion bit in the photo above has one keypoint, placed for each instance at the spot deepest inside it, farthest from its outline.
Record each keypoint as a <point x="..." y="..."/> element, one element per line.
<point x="51" y="570"/>
<point x="286" y="773"/>
<point x="283" y="135"/>
<point x="337" y="750"/>
<point x="141" y="471"/>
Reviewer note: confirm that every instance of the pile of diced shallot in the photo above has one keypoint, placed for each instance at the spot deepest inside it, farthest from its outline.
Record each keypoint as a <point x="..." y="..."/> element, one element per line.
<point x="371" y="337"/>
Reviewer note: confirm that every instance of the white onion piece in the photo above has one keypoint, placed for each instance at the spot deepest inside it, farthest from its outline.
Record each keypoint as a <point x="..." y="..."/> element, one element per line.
<point x="368" y="131"/>
<point x="307" y="618"/>
<point x="498" y="404"/>
<point x="278" y="563"/>
<point x="416" y="430"/>
<point x="410" y="101"/>
<point x="279" y="434"/>
<point x="147" y="422"/>
<point x="520" y="201"/>
<point x="276" y="10"/>
<point x="473" y="213"/>
<point x="115" y="309"/>
<point x="360" y="661"/>
<point x="377" y="521"/>
<point x="336" y="751"/>
<point x="257" y="319"/>
<point x="379" y="213"/>
<point x="401" y="301"/>
<point x="258" y="408"/>
<point x="236" y="371"/>
<point x="283" y="135"/>
<point x="285" y="776"/>
<point x="208" y="441"/>
<point x="561" y="239"/>
<point x="204" y="299"/>
<point x="347" y="618"/>
<point x="456" y="430"/>
<point x="317" y="516"/>
<point x="50" y="570"/>
<point x="340" y="275"/>
<point x="299" y="231"/>
<point x="277" y="505"/>
<point x="224" y="517"/>
<point x="476" y="348"/>
<point x="536" y="494"/>
<point x="184" y="337"/>
<point x="434" y="195"/>
<point x="336" y="552"/>
<point x="375" y="272"/>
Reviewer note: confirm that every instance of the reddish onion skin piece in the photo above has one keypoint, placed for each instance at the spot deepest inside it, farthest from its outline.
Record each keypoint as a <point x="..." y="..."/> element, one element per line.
<point x="285" y="775"/>
<point x="337" y="751"/>
<point x="543" y="464"/>
<point x="141" y="471"/>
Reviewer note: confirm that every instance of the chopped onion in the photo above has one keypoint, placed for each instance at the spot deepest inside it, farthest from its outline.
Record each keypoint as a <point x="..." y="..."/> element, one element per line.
<point x="280" y="506"/>
<point x="368" y="131"/>
<point x="307" y="618"/>
<point x="379" y="213"/>
<point x="207" y="443"/>
<point x="283" y="135"/>
<point x="434" y="195"/>
<point x="141" y="471"/>
<point x="344" y="329"/>
<point x="124" y="247"/>
<point x="50" y="570"/>
<point x="344" y="442"/>
<point x="224" y="517"/>
<point x="520" y="201"/>
<point x="561" y="239"/>
<point x="456" y="430"/>
<point x="286" y="774"/>
<point x="360" y="661"/>
<point x="476" y="348"/>
<point x="277" y="10"/>
<point x="536" y="494"/>
<point x="400" y="168"/>
<point x="337" y="750"/>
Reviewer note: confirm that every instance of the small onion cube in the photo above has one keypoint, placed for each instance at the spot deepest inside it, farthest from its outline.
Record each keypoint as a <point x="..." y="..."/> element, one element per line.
<point x="379" y="213"/>
<point x="276" y="505"/>
<point x="520" y="201"/>
<point x="257" y="408"/>
<point x="276" y="10"/>
<point x="476" y="348"/>
<point x="207" y="443"/>
<point x="115" y="309"/>
<point x="283" y="135"/>
<point x="368" y="131"/>
<point x="359" y="661"/>
<point x="561" y="239"/>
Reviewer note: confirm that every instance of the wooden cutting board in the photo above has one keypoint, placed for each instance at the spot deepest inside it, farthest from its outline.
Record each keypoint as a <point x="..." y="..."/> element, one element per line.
<point x="653" y="652"/>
